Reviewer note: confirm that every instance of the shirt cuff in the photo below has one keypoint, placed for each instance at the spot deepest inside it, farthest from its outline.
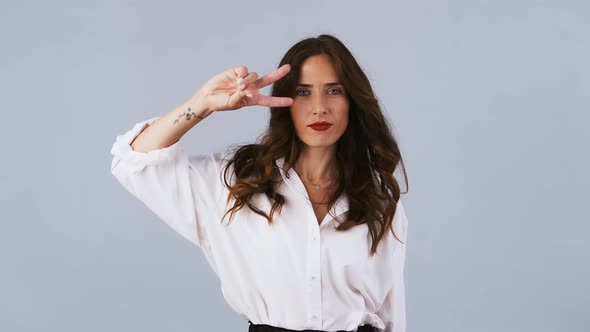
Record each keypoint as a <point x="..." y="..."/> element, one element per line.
<point x="122" y="148"/>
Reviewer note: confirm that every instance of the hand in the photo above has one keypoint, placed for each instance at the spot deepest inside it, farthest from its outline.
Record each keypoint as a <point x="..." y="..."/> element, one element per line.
<point x="236" y="88"/>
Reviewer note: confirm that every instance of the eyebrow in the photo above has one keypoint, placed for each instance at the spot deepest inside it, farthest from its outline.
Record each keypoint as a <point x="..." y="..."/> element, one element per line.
<point x="327" y="84"/>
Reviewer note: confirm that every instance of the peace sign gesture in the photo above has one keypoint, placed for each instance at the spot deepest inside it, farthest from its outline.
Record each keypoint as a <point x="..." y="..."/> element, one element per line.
<point x="236" y="88"/>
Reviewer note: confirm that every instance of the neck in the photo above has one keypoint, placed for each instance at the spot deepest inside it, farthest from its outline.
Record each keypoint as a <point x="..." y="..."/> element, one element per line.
<point x="317" y="164"/>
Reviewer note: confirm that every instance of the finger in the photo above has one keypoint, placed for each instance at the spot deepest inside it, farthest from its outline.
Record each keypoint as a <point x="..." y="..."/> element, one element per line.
<point x="273" y="77"/>
<point x="274" y="101"/>
<point x="246" y="81"/>
<point x="237" y="100"/>
<point x="238" y="72"/>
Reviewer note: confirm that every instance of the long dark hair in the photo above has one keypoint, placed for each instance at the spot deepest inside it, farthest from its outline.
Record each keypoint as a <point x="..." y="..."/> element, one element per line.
<point x="367" y="153"/>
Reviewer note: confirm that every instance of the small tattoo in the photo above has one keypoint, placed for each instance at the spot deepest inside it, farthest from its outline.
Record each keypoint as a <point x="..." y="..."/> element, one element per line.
<point x="189" y="114"/>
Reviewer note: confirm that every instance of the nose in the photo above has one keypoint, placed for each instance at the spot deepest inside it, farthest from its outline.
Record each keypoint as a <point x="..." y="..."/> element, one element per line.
<point x="318" y="105"/>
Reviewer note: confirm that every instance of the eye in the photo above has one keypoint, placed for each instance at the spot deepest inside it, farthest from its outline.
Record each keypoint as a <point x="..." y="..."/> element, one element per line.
<point x="297" y="92"/>
<point x="338" y="91"/>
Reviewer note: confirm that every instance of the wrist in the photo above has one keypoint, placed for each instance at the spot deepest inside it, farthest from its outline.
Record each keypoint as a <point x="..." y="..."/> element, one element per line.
<point x="198" y="104"/>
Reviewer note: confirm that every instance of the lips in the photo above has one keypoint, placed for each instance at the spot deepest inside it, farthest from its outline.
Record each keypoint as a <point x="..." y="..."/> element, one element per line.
<point x="321" y="126"/>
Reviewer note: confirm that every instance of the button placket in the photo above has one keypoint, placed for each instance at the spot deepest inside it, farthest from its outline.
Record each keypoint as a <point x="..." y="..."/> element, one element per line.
<point x="315" y="290"/>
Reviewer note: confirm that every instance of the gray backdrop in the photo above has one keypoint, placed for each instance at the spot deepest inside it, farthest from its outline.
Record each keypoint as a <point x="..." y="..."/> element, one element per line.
<point x="489" y="101"/>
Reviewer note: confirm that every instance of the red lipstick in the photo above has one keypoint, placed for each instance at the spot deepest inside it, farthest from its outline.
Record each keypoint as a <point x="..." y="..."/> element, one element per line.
<point x="320" y="125"/>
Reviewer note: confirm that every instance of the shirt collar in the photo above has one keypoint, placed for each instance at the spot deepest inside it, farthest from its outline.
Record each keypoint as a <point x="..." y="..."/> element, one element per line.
<point x="280" y="162"/>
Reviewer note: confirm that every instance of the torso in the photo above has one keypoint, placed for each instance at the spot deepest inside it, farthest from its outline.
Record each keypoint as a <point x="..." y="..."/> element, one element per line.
<point x="321" y="195"/>
<point x="320" y="212"/>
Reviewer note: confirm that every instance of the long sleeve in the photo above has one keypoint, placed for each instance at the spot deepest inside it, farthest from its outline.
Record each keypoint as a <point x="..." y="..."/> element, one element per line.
<point x="393" y="309"/>
<point x="177" y="188"/>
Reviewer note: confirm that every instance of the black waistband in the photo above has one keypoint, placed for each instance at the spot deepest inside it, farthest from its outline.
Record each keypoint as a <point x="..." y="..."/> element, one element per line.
<point x="268" y="328"/>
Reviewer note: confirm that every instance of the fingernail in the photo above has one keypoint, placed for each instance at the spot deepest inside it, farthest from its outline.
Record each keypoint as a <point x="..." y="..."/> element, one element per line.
<point x="249" y="95"/>
<point x="239" y="80"/>
<point x="241" y="86"/>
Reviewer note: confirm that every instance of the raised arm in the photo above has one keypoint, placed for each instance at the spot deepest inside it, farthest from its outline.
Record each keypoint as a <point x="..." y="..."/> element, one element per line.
<point x="229" y="90"/>
<point x="151" y="164"/>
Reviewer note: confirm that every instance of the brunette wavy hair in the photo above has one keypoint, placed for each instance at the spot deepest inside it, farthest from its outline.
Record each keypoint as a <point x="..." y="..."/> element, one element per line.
<point x="367" y="153"/>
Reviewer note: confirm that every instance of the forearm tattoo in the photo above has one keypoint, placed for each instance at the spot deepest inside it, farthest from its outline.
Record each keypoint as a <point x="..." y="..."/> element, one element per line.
<point x="188" y="115"/>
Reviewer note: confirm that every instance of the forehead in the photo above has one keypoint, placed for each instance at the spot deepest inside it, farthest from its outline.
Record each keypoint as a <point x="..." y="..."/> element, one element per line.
<point x="318" y="68"/>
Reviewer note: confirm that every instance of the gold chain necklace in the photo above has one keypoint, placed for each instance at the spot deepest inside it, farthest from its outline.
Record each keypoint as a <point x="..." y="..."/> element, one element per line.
<point x="316" y="185"/>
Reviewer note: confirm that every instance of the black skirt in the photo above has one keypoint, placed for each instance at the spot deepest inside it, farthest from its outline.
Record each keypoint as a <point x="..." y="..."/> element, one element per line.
<point x="268" y="328"/>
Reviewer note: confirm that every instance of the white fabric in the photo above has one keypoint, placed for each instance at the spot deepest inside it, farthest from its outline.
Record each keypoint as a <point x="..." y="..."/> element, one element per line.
<point x="294" y="274"/>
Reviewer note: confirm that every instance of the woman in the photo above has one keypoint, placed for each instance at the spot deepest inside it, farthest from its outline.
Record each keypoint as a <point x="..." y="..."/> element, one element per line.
<point x="316" y="232"/>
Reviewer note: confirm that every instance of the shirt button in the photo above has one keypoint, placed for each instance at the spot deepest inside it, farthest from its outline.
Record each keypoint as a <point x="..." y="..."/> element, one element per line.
<point x="314" y="317"/>
<point x="312" y="277"/>
<point x="315" y="237"/>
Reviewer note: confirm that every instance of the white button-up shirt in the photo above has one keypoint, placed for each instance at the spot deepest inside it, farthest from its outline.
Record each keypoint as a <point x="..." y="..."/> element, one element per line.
<point x="296" y="273"/>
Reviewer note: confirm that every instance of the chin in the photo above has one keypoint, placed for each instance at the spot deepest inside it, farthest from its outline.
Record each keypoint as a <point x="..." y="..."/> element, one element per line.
<point x="315" y="144"/>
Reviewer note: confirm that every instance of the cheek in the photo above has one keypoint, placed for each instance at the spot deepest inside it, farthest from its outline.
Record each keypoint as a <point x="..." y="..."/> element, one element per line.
<point x="343" y="116"/>
<point x="345" y="120"/>
<point x="344" y="125"/>
<point x="297" y="119"/>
